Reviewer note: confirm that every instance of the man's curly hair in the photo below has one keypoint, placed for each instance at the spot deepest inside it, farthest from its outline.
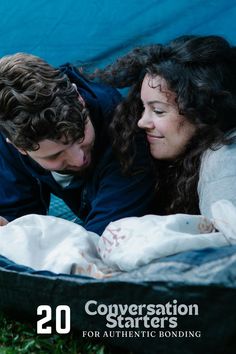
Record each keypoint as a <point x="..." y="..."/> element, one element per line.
<point x="201" y="71"/>
<point x="38" y="102"/>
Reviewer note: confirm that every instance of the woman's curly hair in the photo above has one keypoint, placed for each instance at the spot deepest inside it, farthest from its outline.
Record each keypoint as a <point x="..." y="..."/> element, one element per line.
<point x="201" y="71"/>
<point x="38" y="102"/>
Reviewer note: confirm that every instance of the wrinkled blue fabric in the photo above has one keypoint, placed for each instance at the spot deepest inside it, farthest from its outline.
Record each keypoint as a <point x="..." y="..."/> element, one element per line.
<point x="95" y="32"/>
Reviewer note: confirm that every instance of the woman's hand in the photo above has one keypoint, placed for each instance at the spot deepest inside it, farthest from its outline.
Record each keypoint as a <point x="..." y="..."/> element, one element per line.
<point x="3" y="221"/>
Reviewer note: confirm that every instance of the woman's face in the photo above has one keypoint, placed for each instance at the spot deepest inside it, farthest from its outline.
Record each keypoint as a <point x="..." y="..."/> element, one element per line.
<point x="167" y="131"/>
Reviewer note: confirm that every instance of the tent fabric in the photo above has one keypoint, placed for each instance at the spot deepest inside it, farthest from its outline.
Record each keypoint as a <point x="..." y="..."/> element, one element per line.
<point x="94" y="33"/>
<point x="59" y="209"/>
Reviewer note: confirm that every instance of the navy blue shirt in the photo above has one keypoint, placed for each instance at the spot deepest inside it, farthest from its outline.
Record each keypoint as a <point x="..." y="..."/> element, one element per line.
<point x="103" y="196"/>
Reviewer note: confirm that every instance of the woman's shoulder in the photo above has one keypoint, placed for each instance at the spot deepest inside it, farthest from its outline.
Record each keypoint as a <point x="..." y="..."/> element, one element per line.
<point x="217" y="178"/>
<point x="219" y="162"/>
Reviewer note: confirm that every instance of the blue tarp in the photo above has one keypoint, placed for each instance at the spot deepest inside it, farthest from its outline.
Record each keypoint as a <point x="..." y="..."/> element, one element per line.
<point x="97" y="31"/>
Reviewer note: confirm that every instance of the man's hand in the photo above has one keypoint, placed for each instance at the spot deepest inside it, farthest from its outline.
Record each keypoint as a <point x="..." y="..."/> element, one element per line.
<point x="3" y="221"/>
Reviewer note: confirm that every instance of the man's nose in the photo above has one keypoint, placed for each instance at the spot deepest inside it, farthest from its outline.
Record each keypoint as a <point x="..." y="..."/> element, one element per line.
<point x="75" y="156"/>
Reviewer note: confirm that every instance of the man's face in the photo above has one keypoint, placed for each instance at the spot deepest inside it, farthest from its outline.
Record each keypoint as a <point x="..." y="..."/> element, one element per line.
<point x="71" y="158"/>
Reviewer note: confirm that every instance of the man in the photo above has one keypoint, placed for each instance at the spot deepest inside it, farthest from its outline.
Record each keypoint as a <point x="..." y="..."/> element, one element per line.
<point x="55" y="139"/>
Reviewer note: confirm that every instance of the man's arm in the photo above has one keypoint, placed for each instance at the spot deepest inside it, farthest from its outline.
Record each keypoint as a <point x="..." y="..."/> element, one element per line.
<point x="120" y="196"/>
<point x="20" y="192"/>
<point x="3" y="221"/>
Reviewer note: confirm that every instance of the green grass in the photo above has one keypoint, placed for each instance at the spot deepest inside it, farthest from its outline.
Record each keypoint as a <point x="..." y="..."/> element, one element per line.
<point x="18" y="337"/>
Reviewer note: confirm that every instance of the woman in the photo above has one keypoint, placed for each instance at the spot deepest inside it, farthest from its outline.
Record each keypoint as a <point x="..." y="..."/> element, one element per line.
<point x="183" y="96"/>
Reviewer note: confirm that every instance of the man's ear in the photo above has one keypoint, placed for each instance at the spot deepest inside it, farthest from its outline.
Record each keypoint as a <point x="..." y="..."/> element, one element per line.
<point x="22" y="151"/>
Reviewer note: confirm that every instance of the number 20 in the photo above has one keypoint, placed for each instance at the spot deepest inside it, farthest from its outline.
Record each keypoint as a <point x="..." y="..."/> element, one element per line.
<point x="48" y="317"/>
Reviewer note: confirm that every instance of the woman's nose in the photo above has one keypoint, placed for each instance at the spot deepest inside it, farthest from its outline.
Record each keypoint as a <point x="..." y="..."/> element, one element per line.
<point x="145" y="122"/>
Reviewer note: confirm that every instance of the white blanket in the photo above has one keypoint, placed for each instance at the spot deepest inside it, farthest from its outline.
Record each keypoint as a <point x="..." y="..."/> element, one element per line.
<point x="50" y="243"/>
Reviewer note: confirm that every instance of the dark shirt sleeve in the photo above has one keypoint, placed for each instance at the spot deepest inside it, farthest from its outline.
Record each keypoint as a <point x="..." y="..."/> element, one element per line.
<point x="120" y="196"/>
<point x="20" y="193"/>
